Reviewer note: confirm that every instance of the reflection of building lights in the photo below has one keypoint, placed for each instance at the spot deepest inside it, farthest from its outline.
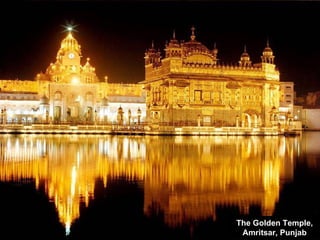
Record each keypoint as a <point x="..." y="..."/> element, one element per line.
<point x="209" y="178"/>
<point x="68" y="226"/>
<point x="73" y="180"/>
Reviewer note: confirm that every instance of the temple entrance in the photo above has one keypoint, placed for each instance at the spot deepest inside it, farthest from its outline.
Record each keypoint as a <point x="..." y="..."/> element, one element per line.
<point x="74" y="113"/>
<point x="247" y="120"/>
<point x="89" y="115"/>
<point x="251" y="119"/>
<point x="57" y="114"/>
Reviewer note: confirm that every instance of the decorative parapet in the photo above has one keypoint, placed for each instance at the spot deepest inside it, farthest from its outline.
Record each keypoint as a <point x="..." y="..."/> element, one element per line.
<point x="215" y="70"/>
<point x="154" y="73"/>
<point x="18" y="85"/>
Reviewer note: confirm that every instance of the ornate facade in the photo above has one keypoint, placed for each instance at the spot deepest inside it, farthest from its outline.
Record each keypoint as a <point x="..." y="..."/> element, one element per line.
<point x="189" y="86"/>
<point x="68" y="92"/>
<point x="71" y="91"/>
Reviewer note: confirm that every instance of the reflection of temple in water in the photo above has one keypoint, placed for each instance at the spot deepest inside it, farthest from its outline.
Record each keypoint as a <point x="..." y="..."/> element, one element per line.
<point x="187" y="177"/>
<point x="188" y="180"/>
<point x="68" y="166"/>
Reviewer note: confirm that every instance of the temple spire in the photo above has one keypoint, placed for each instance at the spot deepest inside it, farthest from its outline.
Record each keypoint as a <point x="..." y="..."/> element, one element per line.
<point x="193" y="36"/>
<point x="245" y="58"/>
<point x="267" y="54"/>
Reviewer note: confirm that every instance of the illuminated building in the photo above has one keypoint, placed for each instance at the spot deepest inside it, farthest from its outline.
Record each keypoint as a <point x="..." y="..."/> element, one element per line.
<point x="69" y="92"/>
<point x="289" y="115"/>
<point x="287" y="96"/>
<point x="190" y="86"/>
<point x="130" y="98"/>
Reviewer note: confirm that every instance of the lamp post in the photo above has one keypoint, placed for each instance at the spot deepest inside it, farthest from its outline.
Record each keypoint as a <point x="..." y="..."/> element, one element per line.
<point x="199" y="120"/>
<point x="237" y="120"/>
<point x="129" y="117"/>
<point x="120" y="115"/>
<point x="95" y="118"/>
<point x="273" y="116"/>
<point x="139" y="115"/>
<point x="4" y="116"/>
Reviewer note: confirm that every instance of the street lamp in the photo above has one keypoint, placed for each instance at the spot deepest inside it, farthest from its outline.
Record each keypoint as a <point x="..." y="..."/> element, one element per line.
<point x="120" y="115"/>
<point x="129" y="117"/>
<point x="237" y="120"/>
<point x="95" y="117"/>
<point x="4" y="116"/>
<point x="199" y="120"/>
<point x="273" y="115"/>
<point x="139" y="115"/>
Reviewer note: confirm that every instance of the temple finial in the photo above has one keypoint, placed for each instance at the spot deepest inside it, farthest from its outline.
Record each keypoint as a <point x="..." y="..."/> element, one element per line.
<point x="193" y="37"/>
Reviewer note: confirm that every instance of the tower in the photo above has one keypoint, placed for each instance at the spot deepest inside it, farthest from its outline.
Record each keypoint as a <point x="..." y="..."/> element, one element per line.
<point x="67" y="67"/>
<point x="71" y="88"/>
<point x="267" y="55"/>
<point x="173" y="48"/>
<point x="245" y="58"/>
<point x="152" y="56"/>
<point x="190" y="85"/>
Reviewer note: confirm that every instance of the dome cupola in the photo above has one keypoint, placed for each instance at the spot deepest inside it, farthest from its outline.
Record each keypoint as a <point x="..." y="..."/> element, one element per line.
<point x="245" y="58"/>
<point x="193" y="46"/>
<point x="267" y="54"/>
<point x="69" y="43"/>
<point x="44" y="100"/>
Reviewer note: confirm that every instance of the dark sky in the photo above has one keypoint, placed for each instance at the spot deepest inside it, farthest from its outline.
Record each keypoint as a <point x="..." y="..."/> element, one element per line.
<point x="115" y="34"/>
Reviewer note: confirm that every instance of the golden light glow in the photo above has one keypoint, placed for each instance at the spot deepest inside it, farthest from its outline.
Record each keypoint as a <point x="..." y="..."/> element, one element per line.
<point x="75" y="80"/>
<point x="187" y="176"/>
<point x="70" y="26"/>
<point x="190" y="81"/>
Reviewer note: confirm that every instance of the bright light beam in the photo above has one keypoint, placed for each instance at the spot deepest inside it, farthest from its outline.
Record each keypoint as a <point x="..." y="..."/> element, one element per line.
<point x="69" y="27"/>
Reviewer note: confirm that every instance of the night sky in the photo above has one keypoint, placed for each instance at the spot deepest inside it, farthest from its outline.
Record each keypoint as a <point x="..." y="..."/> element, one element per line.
<point x="115" y="34"/>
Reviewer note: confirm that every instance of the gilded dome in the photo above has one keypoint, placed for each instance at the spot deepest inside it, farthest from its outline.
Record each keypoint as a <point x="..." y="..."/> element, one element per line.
<point x="267" y="50"/>
<point x="193" y="46"/>
<point x="44" y="100"/>
<point x="87" y="67"/>
<point x="69" y="43"/>
<point x="245" y="54"/>
<point x="104" y="102"/>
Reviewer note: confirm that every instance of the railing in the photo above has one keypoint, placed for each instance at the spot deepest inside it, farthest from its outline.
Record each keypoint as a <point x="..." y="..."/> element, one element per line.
<point x="143" y="128"/>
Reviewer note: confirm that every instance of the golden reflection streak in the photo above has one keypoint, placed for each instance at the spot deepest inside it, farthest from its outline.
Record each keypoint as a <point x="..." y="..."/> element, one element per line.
<point x="187" y="177"/>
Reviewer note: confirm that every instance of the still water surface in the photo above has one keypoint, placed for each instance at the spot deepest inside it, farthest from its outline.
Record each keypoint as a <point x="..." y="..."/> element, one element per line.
<point x="152" y="187"/>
